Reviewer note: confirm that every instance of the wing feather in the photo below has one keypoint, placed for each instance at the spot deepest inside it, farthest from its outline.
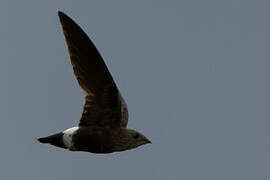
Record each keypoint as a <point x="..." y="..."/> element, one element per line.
<point x="104" y="105"/>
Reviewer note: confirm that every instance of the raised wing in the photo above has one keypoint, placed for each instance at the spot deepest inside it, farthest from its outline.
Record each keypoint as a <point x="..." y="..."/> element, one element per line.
<point x="104" y="105"/>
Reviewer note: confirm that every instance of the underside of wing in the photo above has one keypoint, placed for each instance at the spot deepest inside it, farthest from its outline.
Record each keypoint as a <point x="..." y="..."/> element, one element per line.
<point x="124" y="111"/>
<point x="103" y="102"/>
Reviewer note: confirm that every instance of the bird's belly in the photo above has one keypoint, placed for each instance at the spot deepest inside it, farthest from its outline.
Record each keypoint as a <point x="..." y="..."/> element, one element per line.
<point x="95" y="140"/>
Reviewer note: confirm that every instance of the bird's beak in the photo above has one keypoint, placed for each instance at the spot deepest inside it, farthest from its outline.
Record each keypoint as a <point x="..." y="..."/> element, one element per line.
<point x="147" y="141"/>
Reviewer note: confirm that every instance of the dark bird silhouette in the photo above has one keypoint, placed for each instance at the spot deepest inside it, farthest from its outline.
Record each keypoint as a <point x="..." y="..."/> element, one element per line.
<point x="103" y="125"/>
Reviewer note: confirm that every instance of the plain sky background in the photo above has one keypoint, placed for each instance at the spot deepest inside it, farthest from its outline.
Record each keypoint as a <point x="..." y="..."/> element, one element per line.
<point x="195" y="75"/>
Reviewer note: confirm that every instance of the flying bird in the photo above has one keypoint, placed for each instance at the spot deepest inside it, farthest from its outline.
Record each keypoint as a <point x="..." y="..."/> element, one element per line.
<point x="103" y="124"/>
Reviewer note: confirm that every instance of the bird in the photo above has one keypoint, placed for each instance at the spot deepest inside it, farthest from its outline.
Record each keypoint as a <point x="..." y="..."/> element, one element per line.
<point x="103" y="125"/>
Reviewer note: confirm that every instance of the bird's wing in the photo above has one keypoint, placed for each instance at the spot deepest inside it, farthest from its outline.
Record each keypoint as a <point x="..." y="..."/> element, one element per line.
<point x="104" y="105"/>
<point x="124" y="112"/>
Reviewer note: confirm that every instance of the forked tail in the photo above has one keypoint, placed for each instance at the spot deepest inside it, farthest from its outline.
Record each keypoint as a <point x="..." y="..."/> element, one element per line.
<point x="55" y="139"/>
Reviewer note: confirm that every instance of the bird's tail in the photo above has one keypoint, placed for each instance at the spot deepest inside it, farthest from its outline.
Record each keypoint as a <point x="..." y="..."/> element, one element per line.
<point x="44" y="140"/>
<point x="55" y="139"/>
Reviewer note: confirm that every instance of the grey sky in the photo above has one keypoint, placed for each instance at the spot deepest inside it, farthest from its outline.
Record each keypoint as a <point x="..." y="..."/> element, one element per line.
<point x="195" y="75"/>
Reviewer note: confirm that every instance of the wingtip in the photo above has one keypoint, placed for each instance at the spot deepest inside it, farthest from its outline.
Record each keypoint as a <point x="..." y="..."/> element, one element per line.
<point x="61" y="15"/>
<point x="65" y="20"/>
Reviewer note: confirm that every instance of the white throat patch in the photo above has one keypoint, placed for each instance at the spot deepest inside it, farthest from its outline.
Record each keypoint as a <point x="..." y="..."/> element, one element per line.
<point x="67" y="137"/>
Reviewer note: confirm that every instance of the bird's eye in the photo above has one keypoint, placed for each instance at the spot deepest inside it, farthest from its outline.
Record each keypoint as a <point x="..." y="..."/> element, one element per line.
<point x="136" y="136"/>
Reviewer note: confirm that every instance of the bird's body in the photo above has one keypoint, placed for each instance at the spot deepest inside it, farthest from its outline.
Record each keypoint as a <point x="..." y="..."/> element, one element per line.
<point x="103" y="125"/>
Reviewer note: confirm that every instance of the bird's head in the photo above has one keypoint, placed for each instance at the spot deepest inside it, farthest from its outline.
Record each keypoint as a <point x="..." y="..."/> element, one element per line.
<point x="131" y="139"/>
